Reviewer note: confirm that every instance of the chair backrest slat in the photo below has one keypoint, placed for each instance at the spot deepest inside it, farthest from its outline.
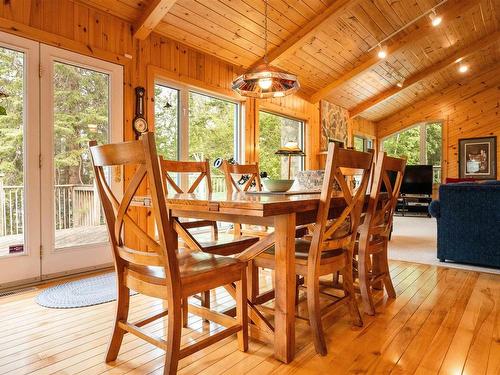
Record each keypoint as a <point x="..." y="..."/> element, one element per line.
<point x="389" y="172"/>
<point x="173" y="166"/>
<point x="251" y="170"/>
<point x="330" y="234"/>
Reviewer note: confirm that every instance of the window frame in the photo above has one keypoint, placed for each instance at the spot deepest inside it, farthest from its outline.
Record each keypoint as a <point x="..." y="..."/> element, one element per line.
<point x="303" y="132"/>
<point x="422" y="142"/>
<point x="366" y="140"/>
<point x="183" y="115"/>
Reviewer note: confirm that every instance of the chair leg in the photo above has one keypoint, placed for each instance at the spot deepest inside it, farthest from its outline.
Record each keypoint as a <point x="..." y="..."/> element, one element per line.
<point x="377" y="269"/>
<point x="185" y="310"/>
<point x="205" y="299"/>
<point x="174" y="332"/>
<point x="122" y="308"/>
<point x="215" y="231"/>
<point x="336" y="279"/>
<point x="385" y="268"/>
<point x="205" y="302"/>
<point x="253" y="281"/>
<point x="364" y="283"/>
<point x="297" y="287"/>
<point x="241" y="312"/>
<point x="237" y="230"/>
<point x="315" y="314"/>
<point x="348" y="284"/>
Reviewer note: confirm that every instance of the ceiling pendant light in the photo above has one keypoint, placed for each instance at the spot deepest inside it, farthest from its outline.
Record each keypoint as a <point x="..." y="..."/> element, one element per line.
<point x="265" y="81"/>
<point x="435" y="19"/>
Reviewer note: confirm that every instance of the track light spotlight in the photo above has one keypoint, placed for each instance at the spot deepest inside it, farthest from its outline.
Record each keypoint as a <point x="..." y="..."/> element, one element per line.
<point x="382" y="52"/>
<point x="435" y="19"/>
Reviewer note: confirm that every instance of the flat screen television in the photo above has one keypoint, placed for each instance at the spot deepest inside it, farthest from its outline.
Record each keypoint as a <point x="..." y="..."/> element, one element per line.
<point x="417" y="180"/>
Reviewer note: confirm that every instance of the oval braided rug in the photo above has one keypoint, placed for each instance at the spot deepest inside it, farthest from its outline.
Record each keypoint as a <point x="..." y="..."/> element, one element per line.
<point x="80" y="293"/>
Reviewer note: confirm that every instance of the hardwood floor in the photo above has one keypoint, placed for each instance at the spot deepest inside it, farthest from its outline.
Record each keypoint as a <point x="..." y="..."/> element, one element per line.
<point x="443" y="321"/>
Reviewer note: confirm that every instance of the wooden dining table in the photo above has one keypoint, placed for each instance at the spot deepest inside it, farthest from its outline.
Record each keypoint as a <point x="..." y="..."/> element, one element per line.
<point x="283" y="212"/>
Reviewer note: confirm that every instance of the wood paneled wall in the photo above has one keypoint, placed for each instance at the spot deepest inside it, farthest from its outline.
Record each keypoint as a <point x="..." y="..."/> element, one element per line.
<point x="363" y="127"/>
<point x="468" y="108"/>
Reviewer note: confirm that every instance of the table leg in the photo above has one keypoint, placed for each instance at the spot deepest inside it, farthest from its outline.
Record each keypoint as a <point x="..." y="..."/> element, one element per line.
<point x="284" y="313"/>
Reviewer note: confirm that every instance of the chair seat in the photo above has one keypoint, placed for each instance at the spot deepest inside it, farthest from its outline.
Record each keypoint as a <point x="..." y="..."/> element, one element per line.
<point x="199" y="271"/>
<point x="227" y="244"/>
<point x="302" y="250"/>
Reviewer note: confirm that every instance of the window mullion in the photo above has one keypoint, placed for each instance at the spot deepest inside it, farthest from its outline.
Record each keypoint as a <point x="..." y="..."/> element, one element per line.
<point x="423" y="143"/>
<point x="184" y="133"/>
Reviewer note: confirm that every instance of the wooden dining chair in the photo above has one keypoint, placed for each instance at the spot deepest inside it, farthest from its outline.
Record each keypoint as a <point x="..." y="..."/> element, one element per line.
<point x="232" y="186"/>
<point x="374" y="232"/>
<point x="202" y="168"/>
<point x="164" y="271"/>
<point x="250" y="170"/>
<point x="331" y="246"/>
<point x="221" y="246"/>
<point x="226" y="245"/>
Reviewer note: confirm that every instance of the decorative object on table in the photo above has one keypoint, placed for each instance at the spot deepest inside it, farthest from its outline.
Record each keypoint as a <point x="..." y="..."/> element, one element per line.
<point x="80" y="293"/>
<point x="309" y="180"/>
<point x="333" y="124"/>
<point x="3" y="110"/>
<point x="265" y="81"/>
<point x="477" y="158"/>
<point x="290" y="149"/>
<point x="140" y="124"/>
<point x="277" y="185"/>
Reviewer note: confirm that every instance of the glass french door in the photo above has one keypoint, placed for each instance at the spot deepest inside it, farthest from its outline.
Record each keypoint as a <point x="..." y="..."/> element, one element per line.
<point x="52" y="102"/>
<point x="19" y="153"/>
<point x="81" y="101"/>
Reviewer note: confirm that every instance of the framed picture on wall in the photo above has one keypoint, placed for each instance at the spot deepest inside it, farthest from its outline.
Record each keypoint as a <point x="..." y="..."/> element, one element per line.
<point x="477" y="158"/>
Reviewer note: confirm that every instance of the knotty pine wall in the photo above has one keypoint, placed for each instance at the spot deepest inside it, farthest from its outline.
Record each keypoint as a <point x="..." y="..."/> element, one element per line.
<point x="363" y="127"/>
<point x="469" y="108"/>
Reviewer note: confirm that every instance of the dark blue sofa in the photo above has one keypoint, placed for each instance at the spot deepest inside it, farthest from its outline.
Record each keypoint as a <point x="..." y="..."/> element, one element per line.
<point x="468" y="223"/>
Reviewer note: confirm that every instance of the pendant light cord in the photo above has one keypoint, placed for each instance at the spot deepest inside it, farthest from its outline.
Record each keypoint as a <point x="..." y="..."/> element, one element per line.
<point x="265" y="32"/>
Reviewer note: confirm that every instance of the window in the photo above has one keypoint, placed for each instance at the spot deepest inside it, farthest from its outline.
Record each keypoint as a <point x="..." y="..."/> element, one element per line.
<point x="213" y="128"/>
<point x="420" y="144"/>
<point x="276" y="131"/>
<point x="79" y="115"/>
<point x="362" y="143"/>
<point x="167" y="121"/>
<point x="12" y="165"/>
<point x="190" y="125"/>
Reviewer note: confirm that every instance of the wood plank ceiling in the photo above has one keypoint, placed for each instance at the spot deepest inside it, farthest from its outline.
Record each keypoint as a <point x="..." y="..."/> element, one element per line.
<point x="334" y="59"/>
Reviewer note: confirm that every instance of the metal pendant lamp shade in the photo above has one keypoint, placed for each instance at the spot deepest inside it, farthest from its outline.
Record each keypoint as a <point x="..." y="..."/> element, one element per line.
<point x="266" y="81"/>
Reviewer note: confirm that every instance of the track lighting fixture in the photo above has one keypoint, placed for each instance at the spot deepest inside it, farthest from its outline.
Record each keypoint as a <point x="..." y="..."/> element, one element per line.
<point x="435" y="18"/>
<point x="382" y="52"/>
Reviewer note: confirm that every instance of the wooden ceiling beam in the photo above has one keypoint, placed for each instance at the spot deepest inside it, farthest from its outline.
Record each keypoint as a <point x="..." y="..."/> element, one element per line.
<point x="151" y="17"/>
<point x="441" y="65"/>
<point x="422" y="29"/>
<point x="292" y="43"/>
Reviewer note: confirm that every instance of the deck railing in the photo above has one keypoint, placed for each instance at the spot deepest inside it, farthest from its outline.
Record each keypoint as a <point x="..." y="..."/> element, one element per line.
<point x="75" y="206"/>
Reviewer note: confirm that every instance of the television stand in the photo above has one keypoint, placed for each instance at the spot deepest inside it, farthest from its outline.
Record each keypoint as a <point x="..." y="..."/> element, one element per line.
<point x="413" y="205"/>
